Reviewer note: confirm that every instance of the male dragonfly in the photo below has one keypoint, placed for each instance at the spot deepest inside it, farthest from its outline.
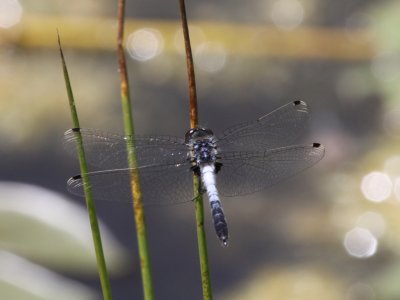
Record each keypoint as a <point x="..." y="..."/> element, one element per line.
<point x="246" y="158"/>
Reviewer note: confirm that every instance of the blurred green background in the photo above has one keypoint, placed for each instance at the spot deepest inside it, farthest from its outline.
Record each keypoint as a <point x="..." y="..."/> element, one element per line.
<point x="330" y="233"/>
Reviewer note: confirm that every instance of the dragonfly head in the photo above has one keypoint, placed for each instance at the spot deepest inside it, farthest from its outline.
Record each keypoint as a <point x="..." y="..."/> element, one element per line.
<point x="198" y="133"/>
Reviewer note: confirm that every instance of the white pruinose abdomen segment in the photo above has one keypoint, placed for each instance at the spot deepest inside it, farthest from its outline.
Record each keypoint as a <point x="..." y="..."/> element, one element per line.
<point x="208" y="179"/>
<point x="209" y="182"/>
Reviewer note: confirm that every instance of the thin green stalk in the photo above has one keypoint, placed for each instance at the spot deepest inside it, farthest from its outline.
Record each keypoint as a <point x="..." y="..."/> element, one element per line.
<point x="145" y="266"/>
<point x="202" y="241"/>
<point x="201" y="234"/>
<point x="101" y="263"/>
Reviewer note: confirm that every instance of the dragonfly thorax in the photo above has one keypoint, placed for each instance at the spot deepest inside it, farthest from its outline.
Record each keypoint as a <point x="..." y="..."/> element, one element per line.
<point x="202" y="146"/>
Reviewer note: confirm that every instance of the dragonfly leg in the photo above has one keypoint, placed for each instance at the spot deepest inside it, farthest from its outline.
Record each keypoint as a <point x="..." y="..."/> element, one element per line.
<point x="201" y="191"/>
<point x="218" y="166"/>
<point x="196" y="170"/>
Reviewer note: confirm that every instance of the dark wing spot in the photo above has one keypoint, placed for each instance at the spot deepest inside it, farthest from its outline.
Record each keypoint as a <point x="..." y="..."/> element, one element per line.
<point x="316" y="145"/>
<point x="76" y="177"/>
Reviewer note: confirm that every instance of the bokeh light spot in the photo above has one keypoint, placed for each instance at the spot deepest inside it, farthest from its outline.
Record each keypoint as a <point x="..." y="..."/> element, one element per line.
<point x="372" y="221"/>
<point x="392" y="166"/>
<point x="197" y="37"/>
<point x="360" y="243"/>
<point x="376" y="186"/>
<point x="10" y="13"/>
<point x="359" y="27"/>
<point x="287" y="14"/>
<point x="352" y="85"/>
<point x="391" y="122"/>
<point x="396" y="188"/>
<point x="145" y="44"/>
<point x="210" y="57"/>
<point x="386" y="65"/>
<point x="360" y="290"/>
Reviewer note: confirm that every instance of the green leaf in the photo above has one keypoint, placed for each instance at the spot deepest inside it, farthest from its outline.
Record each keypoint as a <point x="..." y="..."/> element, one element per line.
<point x="51" y="230"/>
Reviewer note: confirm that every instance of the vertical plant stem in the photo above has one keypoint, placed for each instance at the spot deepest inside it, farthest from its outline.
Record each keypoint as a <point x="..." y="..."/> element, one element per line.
<point x="201" y="234"/>
<point x="194" y="119"/>
<point x="101" y="263"/>
<point x="144" y="256"/>
<point x="202" y="241"/>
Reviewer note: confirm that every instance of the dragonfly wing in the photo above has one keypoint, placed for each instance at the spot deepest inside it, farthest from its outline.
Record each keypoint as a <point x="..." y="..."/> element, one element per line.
<point x="166" y="184"/>
<point x="279" y="128"/>
<point x="108" y="150"/>
<point x="247" y="172"/>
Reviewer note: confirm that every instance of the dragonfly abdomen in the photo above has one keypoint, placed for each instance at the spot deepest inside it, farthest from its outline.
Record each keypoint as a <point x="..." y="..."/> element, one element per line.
<point x="208" y="179"/>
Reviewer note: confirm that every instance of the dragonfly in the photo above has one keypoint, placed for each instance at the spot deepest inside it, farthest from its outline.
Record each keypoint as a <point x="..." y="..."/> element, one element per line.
<point x="246" y="158"/>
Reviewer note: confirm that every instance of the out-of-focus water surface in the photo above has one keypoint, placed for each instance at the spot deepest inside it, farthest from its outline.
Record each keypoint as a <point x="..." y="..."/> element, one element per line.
<point x="329" y="233"/>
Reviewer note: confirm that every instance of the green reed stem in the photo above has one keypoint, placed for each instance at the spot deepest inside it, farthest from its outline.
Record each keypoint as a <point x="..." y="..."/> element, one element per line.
<point x="201" y="234"/>
<point x="145" y="266"/>
<point x="202" y="242"/>
<point x="101" y="263"/>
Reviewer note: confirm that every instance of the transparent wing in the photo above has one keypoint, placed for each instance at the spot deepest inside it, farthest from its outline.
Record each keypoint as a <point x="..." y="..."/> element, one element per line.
<point x="245" y="172"/>
<point x="108" y="150"/>
<point x="166" y="184"/>
<point x="281" y="127"/>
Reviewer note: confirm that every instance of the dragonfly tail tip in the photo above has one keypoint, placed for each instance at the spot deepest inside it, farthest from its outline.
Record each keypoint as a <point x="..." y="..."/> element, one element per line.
<point x="224" y="241"/>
